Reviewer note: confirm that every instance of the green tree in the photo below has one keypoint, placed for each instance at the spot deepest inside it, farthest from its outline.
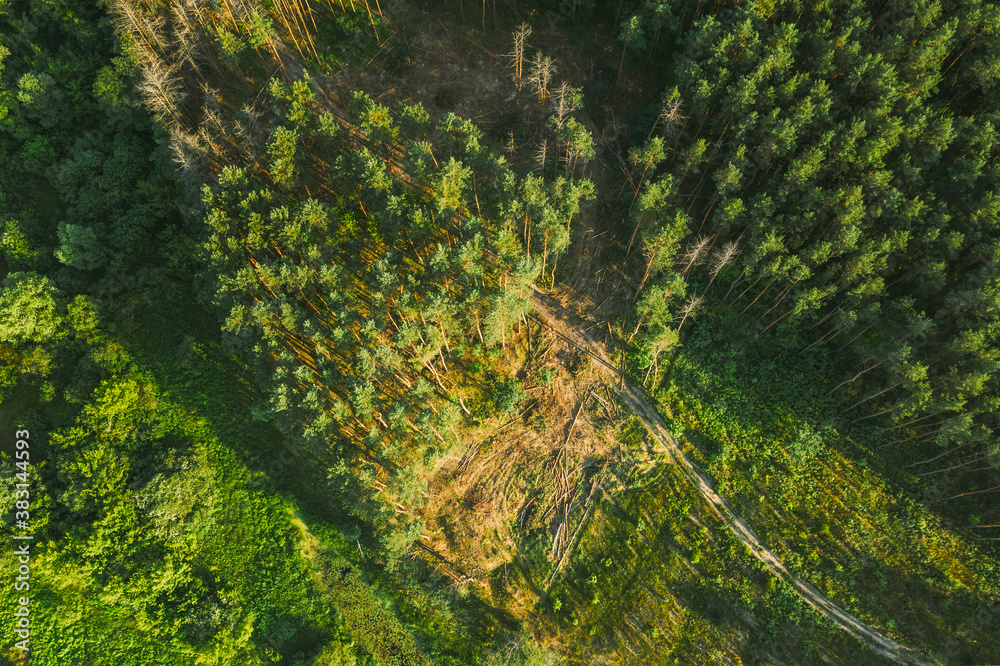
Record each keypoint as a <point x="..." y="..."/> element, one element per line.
<point x="79" y="247"/>
<point x="282" y="149"/>
<point x="30" y="310"/>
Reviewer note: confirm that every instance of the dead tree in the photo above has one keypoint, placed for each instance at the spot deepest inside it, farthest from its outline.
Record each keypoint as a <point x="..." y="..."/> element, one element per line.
<point x="516" y="56"/>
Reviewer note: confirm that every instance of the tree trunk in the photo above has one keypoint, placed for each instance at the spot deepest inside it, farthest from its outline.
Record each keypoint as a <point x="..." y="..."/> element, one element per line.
<point x="860" y="402"/>
<point x="855" y="377"/>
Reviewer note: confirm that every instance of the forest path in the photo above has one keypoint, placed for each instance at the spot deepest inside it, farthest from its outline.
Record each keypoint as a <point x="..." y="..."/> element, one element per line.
<point x="555" y="317"/>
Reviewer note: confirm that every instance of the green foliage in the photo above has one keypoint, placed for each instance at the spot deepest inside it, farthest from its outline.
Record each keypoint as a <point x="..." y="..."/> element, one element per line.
<point x="167" y="539"/>
<point x="110" y="88"/>
<point x="18" y="250"/>
<point x="816" y="498"/>
<point x="260" y="28"/>
<point x="414" y="118"/>
<point x="830" y="208"/>
<point x="231" y="46"/>
<point x="816" y="196"/>
<point x="506" y="395"/>
<point x="158" y="530"/>
<point x="79" y="247"/>
<point x="282" y="150"/>
<point x="30" y="310"/>
<point x="354" y="310"/>
<point x="40" y="99"/>
<point x="450" y="184"/>
<point x="807" y="443"/>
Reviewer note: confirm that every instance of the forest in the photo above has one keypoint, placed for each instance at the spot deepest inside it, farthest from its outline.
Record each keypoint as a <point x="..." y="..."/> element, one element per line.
<point x="405" y="333"/>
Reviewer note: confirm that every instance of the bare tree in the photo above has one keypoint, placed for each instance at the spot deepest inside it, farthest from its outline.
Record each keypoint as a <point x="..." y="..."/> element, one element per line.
<point x="689" y="308"/>
<point x="212" y="132"/>
<point x="694" y="251"/>
<point x="649" y="254"/>
<point x="541" y="154"/>
<point x="720" y="260"/>
<point x="516" y="56"/>
<point x="510" y="146"/>
<point x="147" y="30"/>
<point x="186" y="35"/>
<point x="188" y="155"/>
<point x="210" y="96"/>
<point x="542" y="69"/>
<point x="183" y="147"/>
<point x="247" y="126"/>
<point x="564" y="103"/>
<point x="670" y="115"/>
<point x="161" y="89"/>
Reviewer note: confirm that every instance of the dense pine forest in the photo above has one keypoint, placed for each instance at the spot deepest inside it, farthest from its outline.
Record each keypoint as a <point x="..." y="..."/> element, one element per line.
<point x="399" y="332"/>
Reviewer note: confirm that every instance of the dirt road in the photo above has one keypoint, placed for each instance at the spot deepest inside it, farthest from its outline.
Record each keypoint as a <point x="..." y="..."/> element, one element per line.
<point x="552" y="313"/>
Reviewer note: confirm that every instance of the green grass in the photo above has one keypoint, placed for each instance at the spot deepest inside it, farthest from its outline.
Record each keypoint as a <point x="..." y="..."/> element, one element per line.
<point x="823" y="505"/>
<point x="659" y="580"/>
<point x="157" y="544"/>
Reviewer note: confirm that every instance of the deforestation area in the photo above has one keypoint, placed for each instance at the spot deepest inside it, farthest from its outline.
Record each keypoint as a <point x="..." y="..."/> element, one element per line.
<point x="519" y="333"/>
